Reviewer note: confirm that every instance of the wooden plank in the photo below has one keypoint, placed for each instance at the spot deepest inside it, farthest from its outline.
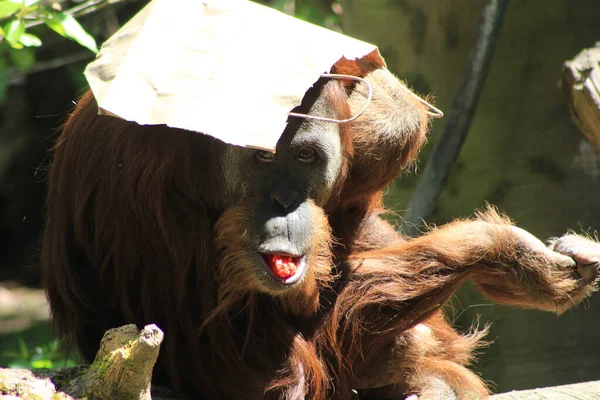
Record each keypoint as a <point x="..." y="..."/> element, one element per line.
<point x="577" y="391"/>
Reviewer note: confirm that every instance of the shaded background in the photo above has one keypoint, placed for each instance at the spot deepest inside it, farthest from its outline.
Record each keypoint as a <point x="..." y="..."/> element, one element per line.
<point x="523" y="154"/>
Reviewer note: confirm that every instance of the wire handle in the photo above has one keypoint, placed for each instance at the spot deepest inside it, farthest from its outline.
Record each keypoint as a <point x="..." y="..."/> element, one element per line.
<point x="433" y="112"/>
<point x="340" y="121"/>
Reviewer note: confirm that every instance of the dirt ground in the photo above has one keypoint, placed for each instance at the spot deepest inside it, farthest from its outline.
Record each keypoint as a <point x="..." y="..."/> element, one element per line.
<point x="21" y="308"/>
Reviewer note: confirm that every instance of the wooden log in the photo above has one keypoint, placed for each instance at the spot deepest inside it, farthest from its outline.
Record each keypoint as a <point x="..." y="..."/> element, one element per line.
<point x="122" y="369"/>
<point x="581" y="84"/>
<point x="579" y="391"/>
<point x="123" y="366"/>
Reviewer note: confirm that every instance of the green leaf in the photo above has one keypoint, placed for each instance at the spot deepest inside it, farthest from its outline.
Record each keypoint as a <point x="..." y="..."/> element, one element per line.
<point x="23" y="59"/>
<point x="11" y="354"/>
<point x="39" y="354"/>
<point x="26" y="3"/>
<point x="42" y="364"/>
<point x="8" y="8"/>
<point x="17" y="46"/>
<point x="53" y="347"/>
<point x="23" y="349"/>
<point x="14" y="29"/>
<point x="69" y="363"/>
<point x="29" y="40"/>
<point x="20" y="364"/>
<point x="40" y="359"/>
<point x="68" y="27"/>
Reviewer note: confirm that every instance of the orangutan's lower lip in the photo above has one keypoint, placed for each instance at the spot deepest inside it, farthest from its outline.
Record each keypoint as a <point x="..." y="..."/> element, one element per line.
<point x="284" y="277"/>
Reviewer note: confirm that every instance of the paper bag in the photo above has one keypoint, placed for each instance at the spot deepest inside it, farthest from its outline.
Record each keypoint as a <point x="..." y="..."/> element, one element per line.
<point x="231" y="69"/>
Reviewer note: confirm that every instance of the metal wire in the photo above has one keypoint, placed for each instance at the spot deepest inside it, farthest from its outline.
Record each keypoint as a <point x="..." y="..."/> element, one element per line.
<point x="433" y="111"/>
<point x="340" y="121"/>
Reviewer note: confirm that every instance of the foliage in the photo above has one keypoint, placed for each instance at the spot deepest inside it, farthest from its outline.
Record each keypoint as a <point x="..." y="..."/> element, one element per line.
<point x="46" y="356"/>
<point x="17" y="43"/>
<point x="17" y="17"/>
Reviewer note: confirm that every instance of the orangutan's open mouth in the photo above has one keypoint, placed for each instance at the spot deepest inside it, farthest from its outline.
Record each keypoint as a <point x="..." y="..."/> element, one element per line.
<point x="284" y="268"/>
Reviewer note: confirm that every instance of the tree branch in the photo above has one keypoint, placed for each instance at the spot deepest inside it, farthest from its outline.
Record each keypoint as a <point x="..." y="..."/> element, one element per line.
<point x="85" y="8"/>
<point x="14" y="76"/>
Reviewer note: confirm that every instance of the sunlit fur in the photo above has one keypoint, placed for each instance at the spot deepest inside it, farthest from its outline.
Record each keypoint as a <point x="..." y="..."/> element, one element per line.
<point x="137" y="232"/>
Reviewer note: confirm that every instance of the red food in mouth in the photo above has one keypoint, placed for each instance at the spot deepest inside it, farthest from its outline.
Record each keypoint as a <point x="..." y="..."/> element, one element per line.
<point x="281" y="265"/>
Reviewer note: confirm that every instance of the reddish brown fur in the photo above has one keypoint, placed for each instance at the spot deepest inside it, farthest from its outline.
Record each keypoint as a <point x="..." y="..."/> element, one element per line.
<point x="136" y="233"/>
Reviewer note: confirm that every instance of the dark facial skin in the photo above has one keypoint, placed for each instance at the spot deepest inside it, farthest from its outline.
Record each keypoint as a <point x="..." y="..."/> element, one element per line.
<point x="279" y="185"/>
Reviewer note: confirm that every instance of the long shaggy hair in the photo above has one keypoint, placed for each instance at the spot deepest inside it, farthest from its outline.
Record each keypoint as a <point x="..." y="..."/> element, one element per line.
<point x="137" y="232"/>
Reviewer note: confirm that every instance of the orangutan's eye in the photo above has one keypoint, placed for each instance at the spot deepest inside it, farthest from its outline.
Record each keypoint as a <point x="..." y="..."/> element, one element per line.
<point x="265" y="156"/>
<point x="306" y="155"/>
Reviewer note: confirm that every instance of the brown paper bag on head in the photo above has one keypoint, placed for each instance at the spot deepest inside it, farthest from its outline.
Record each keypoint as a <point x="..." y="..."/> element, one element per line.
<point x="231" y="69"/>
